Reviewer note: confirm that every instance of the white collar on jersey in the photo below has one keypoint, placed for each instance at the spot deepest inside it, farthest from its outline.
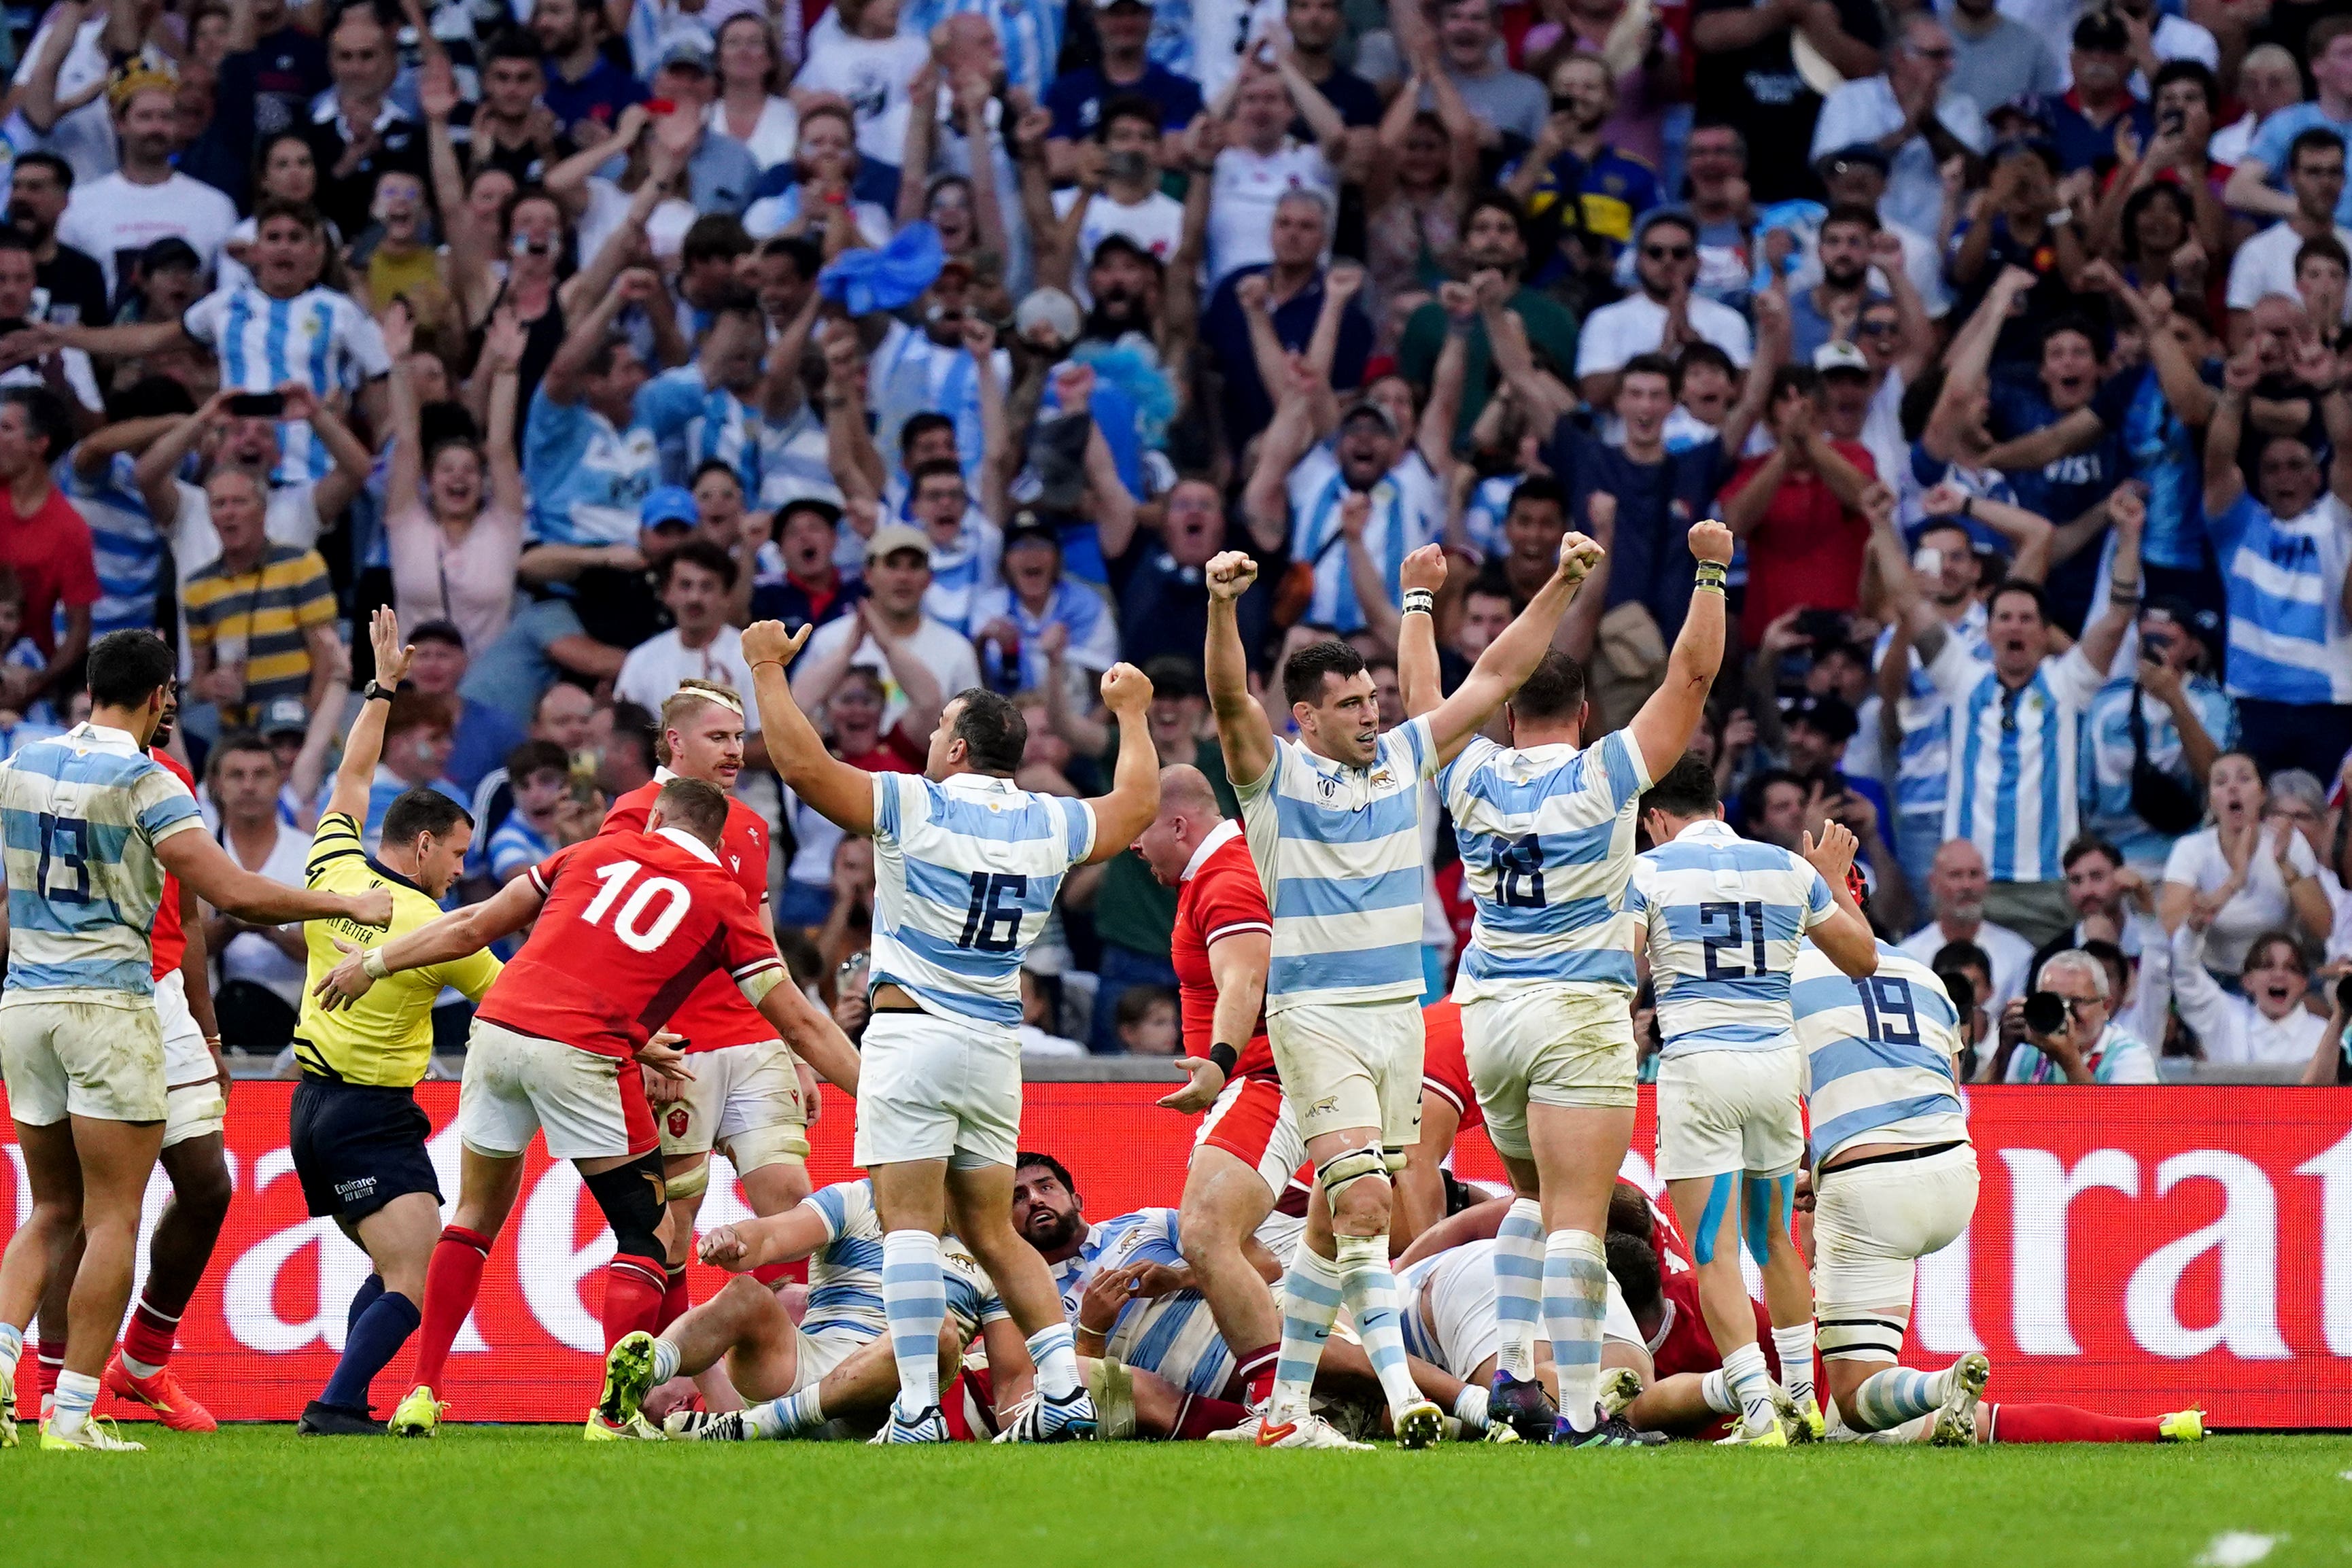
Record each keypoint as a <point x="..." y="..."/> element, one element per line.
<point x="689" y="843"/>
<point x="662" y="774"/>
<point x="1714" y="828"/>
<point x="987" y="783"/>
<point x="104" y="737"/>
<point x="1221" y="835"/>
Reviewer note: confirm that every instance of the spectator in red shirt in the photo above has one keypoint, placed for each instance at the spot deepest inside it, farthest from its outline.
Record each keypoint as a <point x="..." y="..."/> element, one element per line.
<point x="1800" y="507"/>
<point x="42" y="539"/>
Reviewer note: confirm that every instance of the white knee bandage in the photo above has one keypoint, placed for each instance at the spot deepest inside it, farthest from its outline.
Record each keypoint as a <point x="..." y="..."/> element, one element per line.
<point x="763" y="1147"/>
<point x="1343" y="1171"/>
<point x="1852" y="1336"/>
<point x="687" y="1184"/>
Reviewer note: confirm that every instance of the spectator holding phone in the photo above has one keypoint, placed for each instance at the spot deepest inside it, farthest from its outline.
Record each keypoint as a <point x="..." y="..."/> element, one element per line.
<point x="2155" y="730"/>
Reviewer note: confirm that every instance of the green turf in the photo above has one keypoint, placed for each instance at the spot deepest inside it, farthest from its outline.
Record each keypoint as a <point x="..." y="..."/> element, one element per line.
<point x="520" y="1497"/>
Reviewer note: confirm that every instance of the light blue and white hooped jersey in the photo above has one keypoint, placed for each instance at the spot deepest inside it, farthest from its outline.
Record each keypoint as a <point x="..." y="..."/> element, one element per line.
<point x="707" y="421"/>
<point x="1923" y="764"/>
<point x="2108" y="755"/>
<point x="844" y="1275"/>
<point x="1727" y="917"/>
<point x="912" y="375"/>
<point x="965" y="871"/>
<point x="587" y="479"/>
<point x="1546" y="841"/>
<point x="1878" y="1053"/>
<point x="1482" y="515"/>
<point x="1172" y="1336"/>
<point x="128" y="549"/>
<point x="81" y="814"/>
<point x="2012" y="786"/>
<point x="1407" y="513"/>
<point x="1339" y="850"/>
<point x="962" y="572"/>
<point x="793" y="462"/>
<point x="318" y="338"/>
<point x="2288" y="638"/>
<point x="1029" y="30"/>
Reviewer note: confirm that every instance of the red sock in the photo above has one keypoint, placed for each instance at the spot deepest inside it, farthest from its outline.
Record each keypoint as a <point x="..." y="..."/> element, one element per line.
<point x="452" y="1280"/>
<point x="1199" y="1416"/>
<point x="774" y="1274"/>
<point x="675" y="1300"/>
<point x="1256" y="1372"/>
<point x="48" y="1360"/>
<point x="633" y="1296"/>
<point x="148" y="1338"/>
<point x="2064" y="1423"/>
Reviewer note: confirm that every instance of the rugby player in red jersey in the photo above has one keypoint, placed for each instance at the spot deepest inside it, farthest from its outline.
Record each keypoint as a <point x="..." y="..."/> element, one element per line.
<point x="624" y="927"/>
<point x="194" y="1158"/>
<point x="746" y="1095"/>
<point x="1449" y="1108"/>
<point x="1248" y="1144"/>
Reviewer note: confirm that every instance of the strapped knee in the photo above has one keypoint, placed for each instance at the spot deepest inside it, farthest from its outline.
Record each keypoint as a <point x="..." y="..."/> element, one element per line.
<point x="632" y="1198"/>
<point x="1343" y="1171"/>
<point x="764" y="1146"/>
<point x="687" y="1184"/>
<point x="1860" y="1336"/>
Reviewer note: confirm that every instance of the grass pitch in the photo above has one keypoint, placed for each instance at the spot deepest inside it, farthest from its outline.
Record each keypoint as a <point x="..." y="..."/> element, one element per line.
<point x="517" y="1497"/>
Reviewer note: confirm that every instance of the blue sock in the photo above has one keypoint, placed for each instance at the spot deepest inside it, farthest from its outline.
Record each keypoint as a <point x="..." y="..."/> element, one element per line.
<point x="361" y="1300"/>
<point x="374" y="1340"/>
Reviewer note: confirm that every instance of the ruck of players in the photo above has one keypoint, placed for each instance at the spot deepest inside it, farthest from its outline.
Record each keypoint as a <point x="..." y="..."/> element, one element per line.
<point x="1322" y="1279"/>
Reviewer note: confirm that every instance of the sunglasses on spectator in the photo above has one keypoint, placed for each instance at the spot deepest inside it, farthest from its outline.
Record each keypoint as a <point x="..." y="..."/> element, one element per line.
<point x="1667" y="251"/>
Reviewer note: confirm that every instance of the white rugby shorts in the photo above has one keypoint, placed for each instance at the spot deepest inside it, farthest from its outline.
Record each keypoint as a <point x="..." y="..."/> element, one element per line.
<point x="1455" y="1309"/>
<point x="193" y="1104"/>
<point x="81" y="1053"/>
<point x="930" y="1088"/>
<point x="590" y="1106"/>
<point x="1873" y="1222"/>
<point x="1722" y="1112"/>
<point x="1567" y="1046"/>
<point x="1356" y="1064"/>
<point x="737" y="1089"/>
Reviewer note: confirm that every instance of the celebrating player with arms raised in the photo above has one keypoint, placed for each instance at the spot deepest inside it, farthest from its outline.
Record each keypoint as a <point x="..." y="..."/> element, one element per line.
<point x="966" y="870"/>
<point x="1726" y="919"/>
<point x="1546" y="829"/>
<point x="1334" y="823"/>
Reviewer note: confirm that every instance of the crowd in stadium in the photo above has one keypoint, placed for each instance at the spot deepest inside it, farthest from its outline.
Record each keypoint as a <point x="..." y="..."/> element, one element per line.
<point x="971" y="333"/>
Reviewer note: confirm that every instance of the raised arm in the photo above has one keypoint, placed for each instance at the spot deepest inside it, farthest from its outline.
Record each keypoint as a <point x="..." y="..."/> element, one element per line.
<point x="1364" y="573"/>
<point x="403" y="477"/>
<point x="158" y="468"/>
<point x="2223" y="482"/>
<point x="364" y="746"/>
<point x="1330" y="130"/>
<point x="2103" y="637"/>
<point x="568" y="180"/>
<point x="1845" y="937"/>
<point x="1966" y="364"/>
<point x="1242" y="732"/>
<point x="1914" y="617"/>
<point x="1446" y="379"/>
<point x="1134" y="798"/>
<point x="502" y="352"/>
<point x="1515" y="651"/>
<point x="570" y="366"/>
<point x="1663" y="727"/>
<point x="1265" y="500"/>
<point x="843" y="795"/>
<point x="2249" y="190"/>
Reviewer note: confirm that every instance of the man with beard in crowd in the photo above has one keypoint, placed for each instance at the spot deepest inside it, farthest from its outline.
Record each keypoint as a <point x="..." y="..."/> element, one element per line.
<point x="1493" y="239"/>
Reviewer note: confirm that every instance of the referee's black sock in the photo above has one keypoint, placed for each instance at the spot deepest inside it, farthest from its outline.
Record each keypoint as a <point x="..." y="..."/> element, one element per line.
<point x="373" y="1341"/>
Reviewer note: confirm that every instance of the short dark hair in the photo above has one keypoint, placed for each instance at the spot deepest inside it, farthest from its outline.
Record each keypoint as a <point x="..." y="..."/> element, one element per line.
<point x="920" y="425"/>
<point x="1491" y="199"/>
<point x="704" y="553"/>
<point x="302" y="212"/>
<point x="1303" y="672"/>
<point x="2076" y="323"/>
<point x="1794" y="378"/>
<point x="423" y="809"/>
<point x="535" y="757"/>
<point x="126" y="667"/>
<point x="1751" y="795"/>
<point x="2324" y="32"/>
<point x="714" y="235"/>
<point x="1027" y="1157"/>
<point x="1919" y="402"/>
<point x="711" y="465"/>
<point x="11" y="240"/>
<point x="633" y="726"/>
<point x="1960" y="956"/>
<point x="1538" y="488"/>
<point x="52" y="162"/>
<point x="1702" y="352"/>
<point x="937" y="468"/>
<point x="600" y="359"/>
<point x="1554" y="689"/>
<point x="2089" y="845"/>
<point x="149" y="397"/>
<point x="46" y="419"/>
<point x="2323" y="247"/>
<point x="2315" y="140"/>
<point x="439" y="631"/>
<point x="1128" y="105"/>
<point x="993" y="733"/>
<point x="700" y="808"/>
<point x="238" y="743"/>
<point x="1686" y="790"/>
<point x="514" y="44"/>
<point x="1852" y="213"/>
<point x="2263" y="943"/>
<point x="1136" y="1002"/>
<point x="1651" y="364"/>
<point x="2032" y="590"/>
<point x="419" y="710"/>
<point x="2197" y="71"/>
<point x="1633" y="1264"/>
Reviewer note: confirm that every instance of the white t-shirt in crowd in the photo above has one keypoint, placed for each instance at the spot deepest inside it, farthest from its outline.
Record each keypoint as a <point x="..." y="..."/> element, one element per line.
<point x="250" y="956"/>
<point x="655" y="667"/>
<point x="2260" y="905"/>
<point x="872" y="74"/>
<point x="79" y="375"/>
<point x="85" y="138"/>
<point x="2265" y="266"/>
<point x="948" y="657"/>
<point x="2011" y="955"/>
<point x="773" y="137"/>
<point x="1246" y="186"/>
<point x="1637" y="325"/>
<point x="113" y="220"/>
<point x="1155" y="224"/>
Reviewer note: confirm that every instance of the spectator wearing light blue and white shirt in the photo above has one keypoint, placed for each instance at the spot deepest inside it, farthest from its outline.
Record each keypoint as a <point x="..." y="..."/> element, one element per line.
<point x="2163" y="708"/>
<point x="1037" y="597"/>
<point x="965" y="545"/>
<point x="1911" y="716"/>
<point x="1301" y="488"/>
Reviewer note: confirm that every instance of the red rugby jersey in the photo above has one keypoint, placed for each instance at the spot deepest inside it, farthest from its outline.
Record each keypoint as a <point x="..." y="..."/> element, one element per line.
<point x="716" y="1014"/>
<point x="1221" y="896"/>
<point x="1443" y="1070"/>
<point x="633" y="923"/>
<point x="169" y="936"/>
<point x="1688" y="1346"/>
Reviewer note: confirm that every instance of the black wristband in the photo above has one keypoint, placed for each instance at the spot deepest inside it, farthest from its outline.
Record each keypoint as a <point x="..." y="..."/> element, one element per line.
<point x="1224" y="1056"/>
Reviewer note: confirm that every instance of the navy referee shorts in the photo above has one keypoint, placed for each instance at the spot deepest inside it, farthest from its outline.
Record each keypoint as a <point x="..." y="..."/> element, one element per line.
<point x="357" y="1147"/>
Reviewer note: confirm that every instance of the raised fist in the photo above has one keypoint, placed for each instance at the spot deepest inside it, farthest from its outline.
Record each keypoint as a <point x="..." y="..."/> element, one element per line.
<point x="1578" y="556"/>
<point x="1710" y="541"/>
<point x="1424" y="567"/>
<point x="1229" y="575"/>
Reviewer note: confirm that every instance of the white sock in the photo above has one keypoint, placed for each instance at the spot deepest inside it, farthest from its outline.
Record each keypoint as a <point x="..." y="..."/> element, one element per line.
<point x="1470" y="1406"/>
<point x="666" y="1357"/>
<point x="1369" y="1285"/>
<point x="787" y="1417"/>
<point x="1751" y="1385"/>
<point x="914" y="1303"/>
<point x="1310" y="1300"/>
<point x="77" y="1392"/>
<point x="136" y="1367"/>
<point x="1715" y="1389"/>
<point x="1795" y="1348"/>
<point x="11" y="1351"/>
<point x="1575" y="1300"/>
<point x="1054" y="1352"/>
<point x="1518" y="1288"/>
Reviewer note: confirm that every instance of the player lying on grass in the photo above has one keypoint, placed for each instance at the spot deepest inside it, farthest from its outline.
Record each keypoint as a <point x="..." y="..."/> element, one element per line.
<point x="622" y="927"/>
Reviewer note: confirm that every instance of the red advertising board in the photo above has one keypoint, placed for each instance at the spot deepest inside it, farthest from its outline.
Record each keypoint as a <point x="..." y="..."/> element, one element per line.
<point x="2134" y="1250"/>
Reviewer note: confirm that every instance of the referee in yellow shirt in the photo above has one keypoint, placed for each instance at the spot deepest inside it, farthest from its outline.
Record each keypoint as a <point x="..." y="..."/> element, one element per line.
<point x="358" y="1134"/>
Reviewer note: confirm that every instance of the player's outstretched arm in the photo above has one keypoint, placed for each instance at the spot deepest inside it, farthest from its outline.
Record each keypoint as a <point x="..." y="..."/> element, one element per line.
<point x="201" y="863"/>
<point x="843" y="795"/>
<point x="1134" y="798"/>
<point x="815" y="1038"/>
<point x="1515" y="651"/>
<point x="452" y="936"/>
<point x="1663" y="728"/>
<point x="1845" y="936"/>
<point x="1242" y="727"/>
<point x="363" y="747"/>
<point x="749" y="1244"/>
<point x="1420" y="681"/>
